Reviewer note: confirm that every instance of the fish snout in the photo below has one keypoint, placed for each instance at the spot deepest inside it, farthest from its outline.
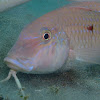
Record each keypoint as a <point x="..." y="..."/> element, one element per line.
<point x="18" y="64"/>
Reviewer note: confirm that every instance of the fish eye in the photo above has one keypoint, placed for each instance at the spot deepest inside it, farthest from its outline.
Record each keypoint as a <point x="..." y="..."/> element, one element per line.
<point x="47" y="35"/>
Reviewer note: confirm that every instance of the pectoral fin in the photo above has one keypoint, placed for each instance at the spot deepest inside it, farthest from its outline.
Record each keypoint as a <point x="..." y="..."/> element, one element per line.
<point x="88" y="55"/>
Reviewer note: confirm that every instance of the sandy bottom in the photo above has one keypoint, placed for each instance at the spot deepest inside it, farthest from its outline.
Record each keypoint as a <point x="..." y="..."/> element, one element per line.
<point x="75" y="84"/>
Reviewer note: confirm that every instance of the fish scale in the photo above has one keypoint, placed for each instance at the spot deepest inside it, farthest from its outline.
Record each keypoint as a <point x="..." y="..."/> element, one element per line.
<point x="85" y="38"/>
<point x="83" y="28"/>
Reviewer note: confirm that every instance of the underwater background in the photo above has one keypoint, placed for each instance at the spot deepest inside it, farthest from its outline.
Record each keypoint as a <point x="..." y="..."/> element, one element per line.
<point x="76" y="84"/>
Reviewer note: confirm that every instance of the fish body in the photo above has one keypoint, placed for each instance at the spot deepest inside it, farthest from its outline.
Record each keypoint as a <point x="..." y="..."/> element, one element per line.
<point x="48" y="42"/>
<point x="5" y="4"/>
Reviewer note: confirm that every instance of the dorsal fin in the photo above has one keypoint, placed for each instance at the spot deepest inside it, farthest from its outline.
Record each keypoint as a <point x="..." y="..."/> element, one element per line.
<point x="87" y="5"/>
<point x="83" y="8"/>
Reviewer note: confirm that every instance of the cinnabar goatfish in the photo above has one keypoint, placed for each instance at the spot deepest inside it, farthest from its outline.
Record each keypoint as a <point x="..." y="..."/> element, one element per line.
<point x="45" y="45"/>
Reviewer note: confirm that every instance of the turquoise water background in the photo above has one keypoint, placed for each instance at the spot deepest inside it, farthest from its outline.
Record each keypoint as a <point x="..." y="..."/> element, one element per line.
<point x="80" y="84"/>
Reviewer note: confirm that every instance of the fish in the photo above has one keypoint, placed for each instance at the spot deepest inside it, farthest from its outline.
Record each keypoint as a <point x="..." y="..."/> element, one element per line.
<point x="6" y="4"/>
<point x="45" y="45"/>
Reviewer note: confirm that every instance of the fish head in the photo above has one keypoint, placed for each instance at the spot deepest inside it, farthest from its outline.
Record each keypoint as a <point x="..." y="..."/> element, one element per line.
<point x="42" y="47"/>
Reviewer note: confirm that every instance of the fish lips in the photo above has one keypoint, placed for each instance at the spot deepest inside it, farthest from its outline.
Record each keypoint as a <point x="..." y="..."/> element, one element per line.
<point x="17" y="65"/>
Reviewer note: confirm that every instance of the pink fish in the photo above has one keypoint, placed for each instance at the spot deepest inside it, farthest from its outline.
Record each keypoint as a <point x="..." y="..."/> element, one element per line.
<point x="45" y="45"/>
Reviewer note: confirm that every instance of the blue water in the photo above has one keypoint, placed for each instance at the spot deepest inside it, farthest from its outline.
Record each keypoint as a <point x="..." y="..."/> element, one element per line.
<point x="78" y="84"/>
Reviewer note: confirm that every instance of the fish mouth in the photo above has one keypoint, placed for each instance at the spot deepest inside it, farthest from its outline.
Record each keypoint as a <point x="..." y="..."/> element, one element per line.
<point x="17" y="65"/>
